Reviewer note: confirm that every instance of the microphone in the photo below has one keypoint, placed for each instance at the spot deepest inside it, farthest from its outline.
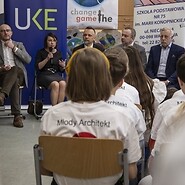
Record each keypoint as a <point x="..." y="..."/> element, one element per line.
<point x="51" y="50"/>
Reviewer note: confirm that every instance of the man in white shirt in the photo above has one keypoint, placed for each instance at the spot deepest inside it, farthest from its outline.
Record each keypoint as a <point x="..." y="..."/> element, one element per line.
<point x="127" y="39"/>
<point x="13" y="56"/>
<point x="89" y="37"/>
<point x="163" y="58"/>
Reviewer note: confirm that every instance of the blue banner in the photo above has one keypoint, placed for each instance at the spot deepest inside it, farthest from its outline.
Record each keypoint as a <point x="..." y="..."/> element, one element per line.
<point x="31" y="21"/>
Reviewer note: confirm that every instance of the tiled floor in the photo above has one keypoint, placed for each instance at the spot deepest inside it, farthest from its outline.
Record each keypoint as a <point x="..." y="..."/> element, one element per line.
<point x="16" y="151"/>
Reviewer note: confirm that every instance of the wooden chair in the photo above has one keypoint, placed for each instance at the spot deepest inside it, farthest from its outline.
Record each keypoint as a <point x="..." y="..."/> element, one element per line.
<point x="84" y="158"/>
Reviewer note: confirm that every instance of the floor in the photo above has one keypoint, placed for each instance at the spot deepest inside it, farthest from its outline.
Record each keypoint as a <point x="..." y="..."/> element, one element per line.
<point x="16" y="151"/>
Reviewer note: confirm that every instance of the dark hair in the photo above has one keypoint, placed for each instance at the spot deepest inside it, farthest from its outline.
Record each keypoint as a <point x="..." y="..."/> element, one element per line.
<point x="133" y="31"/>
<point x="46" y="38"/>
<point x="118" y="63"/>
<point x="181" y="68"/>
<point x="88" y="76"/>
<point x="137" y="78"/>
<point x="90" y="28"/>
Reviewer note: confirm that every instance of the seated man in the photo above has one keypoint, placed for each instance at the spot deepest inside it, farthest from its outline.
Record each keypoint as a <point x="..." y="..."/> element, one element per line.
<point x="89" y="36"/>
<point x="163" y="58"/>
<point x="13" y="56"/>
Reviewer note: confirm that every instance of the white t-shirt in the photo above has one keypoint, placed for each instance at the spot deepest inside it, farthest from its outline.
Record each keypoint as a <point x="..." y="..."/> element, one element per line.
<point x="170" y="139"/>
<point x="131" y="110"/>
<point x="159" y="90"/>
<point x="171" y="129"/>
<point x="163" y="109"/>
<point x="130" y="92"/>
<point x="98" y="119"/>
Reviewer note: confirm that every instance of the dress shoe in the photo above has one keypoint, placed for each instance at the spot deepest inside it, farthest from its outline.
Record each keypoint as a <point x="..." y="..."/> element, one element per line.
<point x="17" y="122"/>
<point x="2" y="97"/>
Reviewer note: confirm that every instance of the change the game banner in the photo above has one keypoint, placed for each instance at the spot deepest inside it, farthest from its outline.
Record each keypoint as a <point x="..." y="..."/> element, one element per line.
<point x="149" y="18"/>
<point x="101" y="14"/>
<point x="31" y="21"/>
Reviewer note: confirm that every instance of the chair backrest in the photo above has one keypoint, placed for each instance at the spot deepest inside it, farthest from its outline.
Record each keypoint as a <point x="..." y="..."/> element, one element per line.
<point x="82" y="157"/>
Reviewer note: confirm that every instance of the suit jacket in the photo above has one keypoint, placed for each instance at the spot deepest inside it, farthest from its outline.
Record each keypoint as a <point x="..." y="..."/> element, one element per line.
<point x="95" y="45"/>
<point x="21" y="57"/>
<point x="154" y="61"/>
<point x="141" y="51"/>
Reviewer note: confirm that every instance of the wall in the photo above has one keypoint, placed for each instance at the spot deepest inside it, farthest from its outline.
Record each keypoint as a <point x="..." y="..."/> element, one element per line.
<point x="126" y="13"/>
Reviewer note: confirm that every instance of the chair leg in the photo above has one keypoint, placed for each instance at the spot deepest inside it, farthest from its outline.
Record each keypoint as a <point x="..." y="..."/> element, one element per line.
<point x="37" y="165"/>
<point x="35" y="99"/>
<point x="20" y="99"/>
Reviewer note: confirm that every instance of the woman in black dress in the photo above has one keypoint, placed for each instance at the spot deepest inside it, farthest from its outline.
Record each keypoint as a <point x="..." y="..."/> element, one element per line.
<point x="49" y="66"/>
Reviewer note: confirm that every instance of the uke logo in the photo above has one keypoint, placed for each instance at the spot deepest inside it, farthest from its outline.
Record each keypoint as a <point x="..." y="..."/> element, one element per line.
<point x="89" y="3"/>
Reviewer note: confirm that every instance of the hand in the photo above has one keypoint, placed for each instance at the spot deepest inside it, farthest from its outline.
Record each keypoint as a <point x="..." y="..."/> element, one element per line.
<point x="9" y="44"/>
<point x="166" y="82"/>
<point x="50" y="55"/>
<point x="62" y="63"/>
<point x="7" y="67"/>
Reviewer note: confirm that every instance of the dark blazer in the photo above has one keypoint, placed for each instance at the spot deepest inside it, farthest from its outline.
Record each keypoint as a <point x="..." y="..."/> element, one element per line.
<point x="95" y="45"/>
<point x="154" y="60"/>
<point x="141" y="51"/>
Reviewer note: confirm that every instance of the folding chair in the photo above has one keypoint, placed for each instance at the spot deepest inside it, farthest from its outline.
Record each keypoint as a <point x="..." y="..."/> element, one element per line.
<point x="2" y="107"/>
<point x="141" y="162"/>
<point x="83" y="158"/>
<point x="36" y="88"/>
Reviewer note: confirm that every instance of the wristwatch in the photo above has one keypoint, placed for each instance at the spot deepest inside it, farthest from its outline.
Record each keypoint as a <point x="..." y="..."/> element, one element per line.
<point x="168" y="82"/>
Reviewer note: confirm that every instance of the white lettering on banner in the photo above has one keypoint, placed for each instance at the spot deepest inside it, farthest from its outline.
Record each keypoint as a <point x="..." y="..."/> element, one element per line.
<point x="39" y="25"/>
<point x="91" y="123"/>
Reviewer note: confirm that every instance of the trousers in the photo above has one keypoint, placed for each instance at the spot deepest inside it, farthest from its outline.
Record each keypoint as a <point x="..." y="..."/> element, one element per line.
<point x="10" y="82"/>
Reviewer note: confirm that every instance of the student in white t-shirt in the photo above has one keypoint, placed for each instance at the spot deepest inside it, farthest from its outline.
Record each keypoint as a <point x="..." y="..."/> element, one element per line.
<point x="171" y="131"/>
<point x="161" y="112"/>
<point x="86" y="113"/>
<point x="118" y="68"/>
<point x="128" y="91"/>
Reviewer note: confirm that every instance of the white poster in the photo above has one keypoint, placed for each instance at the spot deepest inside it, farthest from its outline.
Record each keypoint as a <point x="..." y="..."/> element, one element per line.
<point x="1" y="11"/>
<point x="149" y="19"/>
<point x="102" y="14"/>
<point x="1" y="6"/>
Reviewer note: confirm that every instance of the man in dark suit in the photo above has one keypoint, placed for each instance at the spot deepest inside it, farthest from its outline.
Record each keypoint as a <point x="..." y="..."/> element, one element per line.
<point x="163" y="58"/>
<point x="127" y="39"/>
<point x="13" y="56"/>
<point x="89" y="36"/>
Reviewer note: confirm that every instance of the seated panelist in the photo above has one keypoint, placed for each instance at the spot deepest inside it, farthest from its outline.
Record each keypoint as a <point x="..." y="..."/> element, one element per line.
<point x="13" y="57"/>
<point x="49" y="65"/>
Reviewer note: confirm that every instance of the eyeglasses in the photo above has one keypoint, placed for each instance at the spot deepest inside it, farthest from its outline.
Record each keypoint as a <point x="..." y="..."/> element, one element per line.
<point x="89" y="35"/>
<point x="6" y="30"/>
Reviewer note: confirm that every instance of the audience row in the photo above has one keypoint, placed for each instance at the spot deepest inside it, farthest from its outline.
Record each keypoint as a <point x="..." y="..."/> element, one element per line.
<point x="113" y="93"/>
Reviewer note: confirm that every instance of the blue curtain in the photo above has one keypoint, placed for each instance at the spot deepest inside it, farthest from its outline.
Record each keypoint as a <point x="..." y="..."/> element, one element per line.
<point x="31" y="21"/>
